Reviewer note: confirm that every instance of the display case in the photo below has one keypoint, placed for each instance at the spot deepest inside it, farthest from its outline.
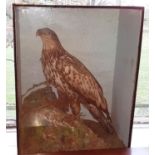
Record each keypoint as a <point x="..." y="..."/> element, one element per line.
<point x="76" y="76"/>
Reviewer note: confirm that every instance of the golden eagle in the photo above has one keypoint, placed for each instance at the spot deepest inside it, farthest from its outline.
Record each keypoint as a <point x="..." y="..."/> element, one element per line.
<point x="72" y="79"/>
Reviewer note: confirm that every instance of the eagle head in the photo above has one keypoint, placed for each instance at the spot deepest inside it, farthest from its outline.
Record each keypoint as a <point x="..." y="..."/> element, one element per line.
<point x="48" y="35"/>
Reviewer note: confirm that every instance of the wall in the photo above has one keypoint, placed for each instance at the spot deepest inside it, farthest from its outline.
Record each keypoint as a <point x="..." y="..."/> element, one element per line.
<point x="125" y="70"/>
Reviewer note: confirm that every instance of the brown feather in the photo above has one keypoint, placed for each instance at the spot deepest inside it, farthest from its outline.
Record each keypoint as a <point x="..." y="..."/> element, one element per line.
<point x="71" y="77"/>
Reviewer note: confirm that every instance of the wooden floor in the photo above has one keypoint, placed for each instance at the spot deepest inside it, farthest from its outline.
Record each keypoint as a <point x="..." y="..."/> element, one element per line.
<point x="136" y="151"/>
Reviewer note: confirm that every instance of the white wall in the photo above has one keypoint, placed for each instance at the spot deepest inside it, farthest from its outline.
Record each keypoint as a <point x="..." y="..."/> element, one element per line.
<point x="125" y="70"/>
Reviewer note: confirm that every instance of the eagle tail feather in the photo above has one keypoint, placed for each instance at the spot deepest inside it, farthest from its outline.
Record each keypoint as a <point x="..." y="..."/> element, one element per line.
<point x="103" y="117"/>
<point x="105" y="121"/>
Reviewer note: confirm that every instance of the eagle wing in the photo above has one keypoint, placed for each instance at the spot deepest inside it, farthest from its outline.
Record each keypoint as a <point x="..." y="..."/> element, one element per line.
<point x="79" y="78"/>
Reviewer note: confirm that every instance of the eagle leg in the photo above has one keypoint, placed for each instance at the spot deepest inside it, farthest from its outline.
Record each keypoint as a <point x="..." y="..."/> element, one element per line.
<point x="63" y="102"/>
<point x="75" y="107"/>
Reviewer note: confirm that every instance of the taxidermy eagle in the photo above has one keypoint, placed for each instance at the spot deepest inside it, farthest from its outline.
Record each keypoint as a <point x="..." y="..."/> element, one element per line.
<point x="72" y="79"/>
